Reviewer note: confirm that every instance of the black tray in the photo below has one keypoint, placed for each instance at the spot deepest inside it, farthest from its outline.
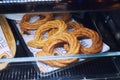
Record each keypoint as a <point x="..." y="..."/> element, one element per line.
<point x="88" y="19"/>
<point x="30" y="54"/>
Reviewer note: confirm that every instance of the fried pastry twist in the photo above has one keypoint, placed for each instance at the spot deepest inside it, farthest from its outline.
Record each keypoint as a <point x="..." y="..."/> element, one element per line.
<point x="70" y="25"/>
<point x="50" y="47"/>
<point x="38" y="39"/>
<point x="94" y="36"/>
<point x="25" y="25"/>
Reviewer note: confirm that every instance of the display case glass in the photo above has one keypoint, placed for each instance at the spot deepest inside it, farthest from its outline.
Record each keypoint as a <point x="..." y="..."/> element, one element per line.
<point x="80" y="39"/>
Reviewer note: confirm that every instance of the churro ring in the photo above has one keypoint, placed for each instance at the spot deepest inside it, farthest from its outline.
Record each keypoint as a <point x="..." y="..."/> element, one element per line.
<point x="96" y="40"/>
<point x="70" y="25"/>
<point x="25" y="25"/>
<point x="74" y="47"/>
<point x="55" y="24"/>
<point x="53" y="63"/>
<point x="38" y="42"/>
<point x="62" y="16"/>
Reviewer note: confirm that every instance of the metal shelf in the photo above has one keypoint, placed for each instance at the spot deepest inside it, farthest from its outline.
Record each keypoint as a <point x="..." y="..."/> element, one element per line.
<point x="29" y="6"/>
<point x="98" y="69"/>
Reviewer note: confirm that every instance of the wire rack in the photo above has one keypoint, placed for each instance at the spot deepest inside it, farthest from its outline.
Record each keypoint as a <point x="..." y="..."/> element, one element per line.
<point x="104" y="67"/>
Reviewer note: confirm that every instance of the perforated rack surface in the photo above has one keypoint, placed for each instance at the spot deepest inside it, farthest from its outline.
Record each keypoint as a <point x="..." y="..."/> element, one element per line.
<point x="103" y="69"/>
